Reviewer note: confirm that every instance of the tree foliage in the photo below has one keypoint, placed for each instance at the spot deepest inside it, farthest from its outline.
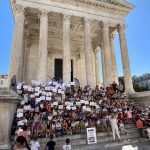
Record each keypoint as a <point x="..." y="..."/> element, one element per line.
<point x="137" y="87"/>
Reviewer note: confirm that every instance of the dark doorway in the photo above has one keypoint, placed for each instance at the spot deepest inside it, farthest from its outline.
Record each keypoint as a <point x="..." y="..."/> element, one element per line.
<point x="58" y="69"/>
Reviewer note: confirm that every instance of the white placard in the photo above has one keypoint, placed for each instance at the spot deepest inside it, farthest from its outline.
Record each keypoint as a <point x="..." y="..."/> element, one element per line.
<point x="37" y="94"/>
<point x="91" y="135"/>
<point x="19" y="115"/>
<point x="54" y="90"/>
<point x="86" y="102"/>
<point x="20" y="123"/>
<point x="97" y="106"/>
<point x="84" y="107"/>
<point x="48" y="98"/>
<point x="82" y="101"/>
<point x="48" y="94"/>
<point x="72" y="83"/>
<point x="37" y="89"/>
<point x="78" y="103"/>
<point x="18" y="87"/>
<point x="47" y="88"/>
<point x="68" y="107"/>
<point x="19" y="110"/>
<point x="55" y="103"/>
<point x="92" y="103"/>
<point x="42" y="98"/>
<point x="67" y="103"/>
<point x="28" y="107"/>
<point x="38" y="100"/>
<point x="88" y="109"/>
<point x="32" y="95"/>
<point x="54" y="83"/>
<point x="59" y="91"/>
<point x="74" y="108"/>
<point x="22" y="102"/>
<point x="25" y="87"/>
<point x="61" y="107"/>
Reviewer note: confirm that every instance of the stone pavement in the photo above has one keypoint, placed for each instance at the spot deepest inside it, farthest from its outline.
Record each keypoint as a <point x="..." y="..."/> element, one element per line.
<point x="141" y="146"/>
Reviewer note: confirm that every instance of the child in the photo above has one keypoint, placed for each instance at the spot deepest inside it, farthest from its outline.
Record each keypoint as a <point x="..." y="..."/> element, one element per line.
<point x="122" y="128"/>
<point x="67" y="146"/>
<point x="35" y="145"/>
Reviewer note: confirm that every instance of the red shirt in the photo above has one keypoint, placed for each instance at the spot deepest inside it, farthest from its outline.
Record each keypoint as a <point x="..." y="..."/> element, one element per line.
<point x="139" y="124"/>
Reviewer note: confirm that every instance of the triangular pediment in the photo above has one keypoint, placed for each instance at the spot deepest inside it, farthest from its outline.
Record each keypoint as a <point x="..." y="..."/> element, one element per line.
<point x="123" y="3"/>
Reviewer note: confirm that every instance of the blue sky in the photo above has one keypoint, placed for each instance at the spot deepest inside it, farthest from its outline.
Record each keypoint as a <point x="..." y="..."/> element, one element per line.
<point x="137" y="33"/>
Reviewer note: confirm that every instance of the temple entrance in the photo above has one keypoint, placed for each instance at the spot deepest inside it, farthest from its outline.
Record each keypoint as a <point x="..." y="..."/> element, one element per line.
<point x="59" y="69"/>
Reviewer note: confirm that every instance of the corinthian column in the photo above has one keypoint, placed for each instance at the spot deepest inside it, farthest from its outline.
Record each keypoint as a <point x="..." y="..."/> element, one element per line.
<point x="43" y="52"/>
<point x="97" y="66"/>
<point x="66" y="49"/>
<point x="113" y="58"/>
<point x="17" y="48"/>
<point x="103" y="67"/>
<point x="107" y="54"/>
<point x="88" y="53"/>
<point x="125" y="60"/>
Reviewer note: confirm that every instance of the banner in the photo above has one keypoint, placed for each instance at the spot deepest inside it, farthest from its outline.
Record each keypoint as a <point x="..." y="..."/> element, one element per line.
<point x="91" y="135"/>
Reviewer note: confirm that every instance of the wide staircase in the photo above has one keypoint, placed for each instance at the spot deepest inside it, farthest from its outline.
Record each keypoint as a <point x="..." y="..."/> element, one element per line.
<point x="79" y="142"/>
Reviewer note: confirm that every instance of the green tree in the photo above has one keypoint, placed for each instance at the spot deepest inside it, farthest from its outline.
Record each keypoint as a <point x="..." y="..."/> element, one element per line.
<point x="137" y="87"/>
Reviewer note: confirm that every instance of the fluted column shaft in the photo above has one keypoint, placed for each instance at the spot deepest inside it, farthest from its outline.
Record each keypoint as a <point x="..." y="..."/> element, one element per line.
<point x="88" y="53"/>
<point x="125" y="60"/>
<point x="43" y="41"/>
<point x="113" y="58"/>
<point x="97" y="73"/>
<point x="66" y="49"/>
<point x="103" y="67"/>
<point x="17" y="48"/>
<point x="107" y="54"/>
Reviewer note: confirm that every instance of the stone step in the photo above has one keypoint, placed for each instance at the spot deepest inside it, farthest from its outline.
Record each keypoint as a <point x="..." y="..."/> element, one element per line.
<point x="107" y="145"/>
<point x="101" y="135"/>
<point x="100" y="139"/>
<point x="79" y="141"/>
<point x="99" y="146"/>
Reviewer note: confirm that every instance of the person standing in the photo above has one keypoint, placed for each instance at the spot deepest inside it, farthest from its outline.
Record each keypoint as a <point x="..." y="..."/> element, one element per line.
<point x="67" y="146"/>
<point x="21" y="144"/>
<point x="114" y="126"/>
<point x="51" y="144"/>
<point x="139" y="124"/>
<point x="35" y="144"/>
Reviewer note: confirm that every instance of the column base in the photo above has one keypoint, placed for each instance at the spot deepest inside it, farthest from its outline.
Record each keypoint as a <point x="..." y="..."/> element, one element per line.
<point x="6" y="146"/>
<point x="129" y="92"/>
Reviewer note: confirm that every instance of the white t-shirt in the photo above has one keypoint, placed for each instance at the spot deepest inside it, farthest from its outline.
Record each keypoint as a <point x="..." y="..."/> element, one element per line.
<point x="35" y="145"/>
<point x="66" y="147"/>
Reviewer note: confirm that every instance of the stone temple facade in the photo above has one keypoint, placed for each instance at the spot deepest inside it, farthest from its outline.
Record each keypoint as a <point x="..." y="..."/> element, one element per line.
<point x="62" y="38"/>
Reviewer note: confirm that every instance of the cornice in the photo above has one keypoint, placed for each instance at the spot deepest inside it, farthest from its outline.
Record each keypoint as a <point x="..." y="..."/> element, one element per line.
<point x="99" y="5"/>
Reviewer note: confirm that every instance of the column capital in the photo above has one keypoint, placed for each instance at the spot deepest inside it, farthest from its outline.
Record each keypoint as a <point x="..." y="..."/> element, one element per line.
<point x="19" y="9"/>
<point x="104" y="23"/>
<point x="66" y="17"/>
<point x="96" y="51"/>
<point x="121" y="27"/>
<point x="112" y="36"/>
<point x="87" y="20"/>
<point x="43" y="13"/>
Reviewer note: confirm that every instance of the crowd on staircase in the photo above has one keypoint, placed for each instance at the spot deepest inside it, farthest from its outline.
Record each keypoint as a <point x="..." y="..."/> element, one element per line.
<point x="58" y="108"/>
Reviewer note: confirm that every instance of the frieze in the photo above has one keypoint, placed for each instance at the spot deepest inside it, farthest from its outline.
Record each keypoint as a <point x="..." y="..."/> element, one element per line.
<point x="99" y="5"/>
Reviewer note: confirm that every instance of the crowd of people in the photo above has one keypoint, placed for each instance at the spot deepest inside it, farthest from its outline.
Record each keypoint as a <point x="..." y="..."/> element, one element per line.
<point x="58" y="108"/>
